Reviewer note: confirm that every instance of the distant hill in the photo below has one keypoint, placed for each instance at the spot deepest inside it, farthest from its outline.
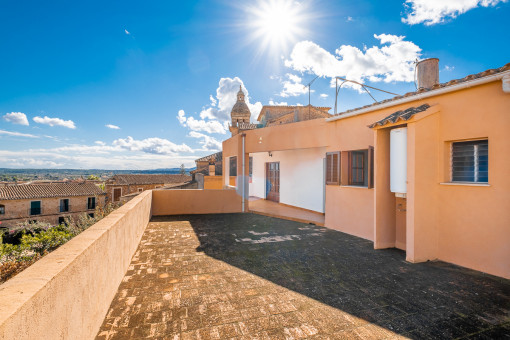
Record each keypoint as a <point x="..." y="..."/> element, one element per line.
<point x="10" y="175"/>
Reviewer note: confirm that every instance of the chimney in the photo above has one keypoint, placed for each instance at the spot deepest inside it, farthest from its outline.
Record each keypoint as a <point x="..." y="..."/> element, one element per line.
<point x="427" y="72"/>
<point x="212" y="169"/>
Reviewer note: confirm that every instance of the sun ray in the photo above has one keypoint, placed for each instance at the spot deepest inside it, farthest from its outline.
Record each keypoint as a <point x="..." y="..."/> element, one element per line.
<point x="275" y="25"/>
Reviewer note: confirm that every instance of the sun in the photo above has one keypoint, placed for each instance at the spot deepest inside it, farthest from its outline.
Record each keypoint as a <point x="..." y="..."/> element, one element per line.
<point x="277" y="24"/>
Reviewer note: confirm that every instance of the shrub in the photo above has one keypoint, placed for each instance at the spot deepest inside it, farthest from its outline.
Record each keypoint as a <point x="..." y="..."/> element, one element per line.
<point x="27" y="242"/>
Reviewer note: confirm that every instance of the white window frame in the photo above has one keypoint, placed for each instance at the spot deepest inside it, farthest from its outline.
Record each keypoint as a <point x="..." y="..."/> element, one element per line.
<point x="476" y="170"/>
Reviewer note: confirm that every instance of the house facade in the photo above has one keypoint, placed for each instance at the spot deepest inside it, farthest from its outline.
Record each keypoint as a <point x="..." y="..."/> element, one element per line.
<point x="50" y="203"/>
<point x="426" y="172"/>
<point x="124" y="185"/>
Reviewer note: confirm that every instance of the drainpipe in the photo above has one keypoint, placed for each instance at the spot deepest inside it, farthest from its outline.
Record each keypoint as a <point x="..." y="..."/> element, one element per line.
<point x="243" y="175"/>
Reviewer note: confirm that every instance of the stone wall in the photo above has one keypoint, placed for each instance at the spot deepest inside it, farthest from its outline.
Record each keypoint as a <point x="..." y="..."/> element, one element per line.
<point x="17" y="211"/>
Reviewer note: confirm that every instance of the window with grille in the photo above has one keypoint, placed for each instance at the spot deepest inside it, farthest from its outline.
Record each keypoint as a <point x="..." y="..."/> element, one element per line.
<point x="2" y="209"/>
<point x="333" y="168"/>
<point x="470" y="161"/>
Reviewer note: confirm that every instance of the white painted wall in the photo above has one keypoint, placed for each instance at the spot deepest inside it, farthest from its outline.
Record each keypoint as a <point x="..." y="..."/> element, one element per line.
<point x="301" y="177"/>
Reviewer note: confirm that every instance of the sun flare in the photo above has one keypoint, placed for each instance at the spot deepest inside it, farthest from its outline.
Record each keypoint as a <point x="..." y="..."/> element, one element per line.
<point x="277" y="23"/>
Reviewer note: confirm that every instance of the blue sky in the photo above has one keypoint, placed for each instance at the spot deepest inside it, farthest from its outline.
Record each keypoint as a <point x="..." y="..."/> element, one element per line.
<point x="144" y="85"/>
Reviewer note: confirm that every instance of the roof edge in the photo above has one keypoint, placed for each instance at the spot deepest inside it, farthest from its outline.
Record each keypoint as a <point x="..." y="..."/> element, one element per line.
<point x="419" y="96"/>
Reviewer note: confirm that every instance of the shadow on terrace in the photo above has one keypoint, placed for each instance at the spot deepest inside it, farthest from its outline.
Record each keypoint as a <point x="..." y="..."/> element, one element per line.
<point x="247" y="274"/>
<point x="431" y="300"/>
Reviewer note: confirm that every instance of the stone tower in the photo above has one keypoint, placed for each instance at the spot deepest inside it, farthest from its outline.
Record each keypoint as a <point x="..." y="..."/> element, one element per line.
<point x="240" y="112"/>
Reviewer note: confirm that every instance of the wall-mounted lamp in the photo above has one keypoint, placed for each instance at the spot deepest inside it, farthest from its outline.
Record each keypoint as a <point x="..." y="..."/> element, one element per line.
<point x="260" y="140"/>
<point x="270" y="154"/>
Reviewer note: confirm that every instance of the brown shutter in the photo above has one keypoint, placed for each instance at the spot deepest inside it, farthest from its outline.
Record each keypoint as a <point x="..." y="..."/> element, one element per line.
<point x="370" y="167"/>
<point x="333" y="168"/>
<point x="328" y="168"/>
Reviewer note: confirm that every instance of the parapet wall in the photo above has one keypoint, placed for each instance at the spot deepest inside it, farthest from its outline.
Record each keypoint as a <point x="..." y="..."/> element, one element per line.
<point x="182" y="202"/>
<point x="66" y="294"/>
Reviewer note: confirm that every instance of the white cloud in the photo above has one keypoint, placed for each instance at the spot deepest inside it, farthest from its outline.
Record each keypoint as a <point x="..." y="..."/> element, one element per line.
<point x="292" y="87"/>
<point x="213" y="100"/>
<point x="98" y="142"/>
<point x="17" y="134"/>
<point x="349" y="19"/>
<point x="209" y="126"/>
<point x="226" y="97"/>
<point x="16" y="118"/>
<point x="278" y="103"/>
<point x="393" y="61"/>
<point x="55" y="122"/>
<point x="449" y="68"/>
<point x="70" y="159"/>
<point x="127" y="32"/>
<point x="208" y="143"/>
<point x="323" y="96"/>
<point x="113" y="127"/>
<point x="152" y="145"/>
<point x="432" y="12"/>
<point x="181" y="116"/>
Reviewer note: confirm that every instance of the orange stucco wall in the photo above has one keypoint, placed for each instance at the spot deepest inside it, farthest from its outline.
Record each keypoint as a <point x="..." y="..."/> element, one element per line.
<point x="194" y="201"/>
<point x="213" y="182"/>
<point x="468" y="225"/>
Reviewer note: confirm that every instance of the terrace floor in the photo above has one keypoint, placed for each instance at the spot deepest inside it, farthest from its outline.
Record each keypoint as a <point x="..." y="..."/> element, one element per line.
<point x="249" y="276"/>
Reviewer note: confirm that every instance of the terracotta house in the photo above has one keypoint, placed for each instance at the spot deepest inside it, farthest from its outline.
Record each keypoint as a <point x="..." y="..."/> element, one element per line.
<point x="50" y="203"/>
<point x="123" y="185"/>
<point x="426" y="172"/>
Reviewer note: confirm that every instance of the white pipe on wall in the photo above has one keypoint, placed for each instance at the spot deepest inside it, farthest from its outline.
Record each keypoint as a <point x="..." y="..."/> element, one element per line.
<point x="243" y="177"/>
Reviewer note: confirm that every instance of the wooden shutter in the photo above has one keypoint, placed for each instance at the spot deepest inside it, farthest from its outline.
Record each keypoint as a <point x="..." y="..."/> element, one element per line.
<point x="370" y="167"/>
<point x="333" y="168"/>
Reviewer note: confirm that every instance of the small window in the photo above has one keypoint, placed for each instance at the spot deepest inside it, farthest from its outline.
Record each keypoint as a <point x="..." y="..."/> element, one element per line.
<point x="470" y="161"/>
<point x="333" y="168"/>
<point x="117" y="192"/>
<point x="64" y="205"/>
<point x="140" y="189"/>
<point x="35" y="208"/>
<point x="91" y="203"/>
<point x="2" y="209"/>
<point x="360" y="167"/>
<point x="91" y="215"/>
<point x="233" y="166"/>
<point x="62" y="220"/>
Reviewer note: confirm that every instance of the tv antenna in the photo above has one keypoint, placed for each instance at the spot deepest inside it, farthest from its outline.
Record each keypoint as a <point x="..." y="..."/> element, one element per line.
<point x="309" y="85"/>
<point x="363" y="86"/>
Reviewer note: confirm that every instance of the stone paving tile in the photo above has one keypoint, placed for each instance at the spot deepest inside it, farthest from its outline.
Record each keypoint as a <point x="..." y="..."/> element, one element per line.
<point x="246" y="276"/>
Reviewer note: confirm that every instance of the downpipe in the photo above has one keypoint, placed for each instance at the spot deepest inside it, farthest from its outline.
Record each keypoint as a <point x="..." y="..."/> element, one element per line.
<point x="243" y="175"/>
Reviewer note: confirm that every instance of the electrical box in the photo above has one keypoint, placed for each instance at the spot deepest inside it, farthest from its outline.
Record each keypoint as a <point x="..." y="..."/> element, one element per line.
<point x="398" y="160"/>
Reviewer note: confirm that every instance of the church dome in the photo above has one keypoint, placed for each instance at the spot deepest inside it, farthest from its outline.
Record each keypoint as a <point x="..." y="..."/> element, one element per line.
<point x="240" y="107"/>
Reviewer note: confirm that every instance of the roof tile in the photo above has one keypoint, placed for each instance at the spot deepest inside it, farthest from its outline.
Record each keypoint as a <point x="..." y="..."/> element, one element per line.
<point x="30" y="191"/>
<point x="400" y="115"/>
